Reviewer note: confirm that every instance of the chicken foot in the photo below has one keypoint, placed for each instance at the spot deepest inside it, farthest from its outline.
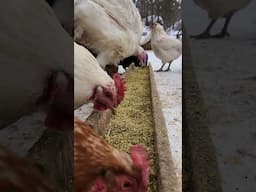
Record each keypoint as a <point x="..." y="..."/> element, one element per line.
<point x="161" y="69"/>
<point x="206" y="34"/>
<point x="169" y="65"/>
<point x="168" y="68"/>
<point x="224" y="32"/>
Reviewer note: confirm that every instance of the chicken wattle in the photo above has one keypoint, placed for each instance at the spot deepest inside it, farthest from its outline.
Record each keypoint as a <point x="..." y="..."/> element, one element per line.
<point x="140" y="159"/>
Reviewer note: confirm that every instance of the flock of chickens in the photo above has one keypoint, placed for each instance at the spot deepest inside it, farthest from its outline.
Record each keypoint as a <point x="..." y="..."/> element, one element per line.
<point x="106" y="34"/>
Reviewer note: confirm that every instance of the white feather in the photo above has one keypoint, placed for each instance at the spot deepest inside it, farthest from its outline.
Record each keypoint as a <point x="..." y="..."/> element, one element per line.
<point x="88" y="75"/>
<point x="165" y="47"/>
<point x="29" y="53"/>
<point x="220" y="8"/>
<point x="112" y="28"/>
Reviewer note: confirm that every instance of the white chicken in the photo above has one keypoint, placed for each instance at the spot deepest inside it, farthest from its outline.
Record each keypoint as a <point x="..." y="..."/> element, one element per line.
<point x="93" y="84"/>
<point x="217" y="9"/>
<point x="165" y="48"/>
<point x="112" y="29"/>
<point x="38" y="62"/>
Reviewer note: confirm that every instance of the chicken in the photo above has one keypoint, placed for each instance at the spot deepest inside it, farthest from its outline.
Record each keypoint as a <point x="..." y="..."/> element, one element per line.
<point x="22" y="175"/>
<point x="30" y="57"/>
<point x="57" y="101"/>
<point x="112" y="29"/>
<point x="217" y="9"/>
<point x="93" y="84"/>
<point x="165" y="48"/>
<point x="99" y="167"/>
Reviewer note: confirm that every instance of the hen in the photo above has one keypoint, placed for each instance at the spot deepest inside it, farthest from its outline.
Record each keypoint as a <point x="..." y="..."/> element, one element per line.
<point x="31" y="61"/>
<point x="21" y="175"/>
<point x="99" y="167"/>
<point x="165" y="48"/>
<point x="217" y="9"/>
<point x="112" y="29"/>
<point x="93" y="84"/>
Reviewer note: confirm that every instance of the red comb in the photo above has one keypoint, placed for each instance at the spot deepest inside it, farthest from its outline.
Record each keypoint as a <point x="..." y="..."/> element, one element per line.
<point x="99" y="186"/>
<point x="120" y="86"/>
<point x="139" y="156"/>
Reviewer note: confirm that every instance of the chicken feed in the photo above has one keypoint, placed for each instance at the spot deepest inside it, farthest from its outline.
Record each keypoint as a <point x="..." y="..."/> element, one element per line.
<point x="133" y="122"/>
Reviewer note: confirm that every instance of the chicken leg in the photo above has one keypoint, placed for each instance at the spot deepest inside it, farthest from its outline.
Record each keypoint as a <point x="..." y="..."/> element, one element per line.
<point x="169" y="65"/>
<point x="161" y="69"/>
<point x="224" y="31"/>
<point x="206" y="34"/>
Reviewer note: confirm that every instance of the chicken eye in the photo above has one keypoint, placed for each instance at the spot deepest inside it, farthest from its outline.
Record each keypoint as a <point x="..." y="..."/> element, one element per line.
<point x="127" y="185"/>
<point x="109" y="95"/>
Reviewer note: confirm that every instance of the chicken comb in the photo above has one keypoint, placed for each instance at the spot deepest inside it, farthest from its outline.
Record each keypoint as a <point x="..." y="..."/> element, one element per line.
<point x="139" y="156"/>
<point x="99" y="186"/>
<point x="120" y="86"/>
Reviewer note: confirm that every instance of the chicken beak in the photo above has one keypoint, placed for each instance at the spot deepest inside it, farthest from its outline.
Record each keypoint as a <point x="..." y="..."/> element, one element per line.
<point x="113" y="110"/>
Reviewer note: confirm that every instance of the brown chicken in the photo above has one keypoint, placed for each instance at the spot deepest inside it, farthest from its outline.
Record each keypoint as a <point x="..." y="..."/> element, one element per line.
<point x="21" y="175"/>
<point x="99" y="167"/>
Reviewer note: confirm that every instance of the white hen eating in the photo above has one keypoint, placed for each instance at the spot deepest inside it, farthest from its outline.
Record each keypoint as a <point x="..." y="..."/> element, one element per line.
<point x="93" y="84"/>
<point x="112" y="29"/>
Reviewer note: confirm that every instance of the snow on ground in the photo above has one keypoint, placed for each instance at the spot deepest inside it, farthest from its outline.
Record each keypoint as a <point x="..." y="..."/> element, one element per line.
<point x="172" y="33"/>
<point x="225" y="72"/>
<point x="169" y="87"/>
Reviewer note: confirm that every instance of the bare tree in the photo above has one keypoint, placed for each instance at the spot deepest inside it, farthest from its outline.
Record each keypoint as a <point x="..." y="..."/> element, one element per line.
<point x="169" y="10"/>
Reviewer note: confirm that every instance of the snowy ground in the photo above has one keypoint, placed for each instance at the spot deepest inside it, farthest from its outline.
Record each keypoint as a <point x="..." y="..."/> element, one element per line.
<point x="169" y="87"/>
<point x="226" y="75"/>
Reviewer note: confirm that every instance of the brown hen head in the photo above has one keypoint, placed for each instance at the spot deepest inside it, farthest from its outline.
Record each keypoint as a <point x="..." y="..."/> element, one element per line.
<point x="135" y="181"/>
<point x="102" y="168"/>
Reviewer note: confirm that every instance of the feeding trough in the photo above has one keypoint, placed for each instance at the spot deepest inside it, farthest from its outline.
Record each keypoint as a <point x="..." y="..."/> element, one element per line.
<point x="139" y="119"/>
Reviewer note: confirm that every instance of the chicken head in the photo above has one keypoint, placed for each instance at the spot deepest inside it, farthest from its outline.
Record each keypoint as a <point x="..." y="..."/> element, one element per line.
<point x="109" y="97"/>
<point x="122" y="182"/>
<point x="143" y="57"/>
